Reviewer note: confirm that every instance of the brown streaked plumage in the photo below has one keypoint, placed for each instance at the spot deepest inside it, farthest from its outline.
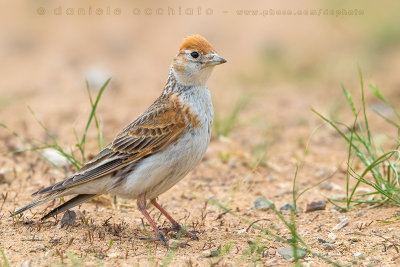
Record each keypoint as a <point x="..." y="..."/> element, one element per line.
<point x="158" y="148"/>
<point x="155" y="129"/>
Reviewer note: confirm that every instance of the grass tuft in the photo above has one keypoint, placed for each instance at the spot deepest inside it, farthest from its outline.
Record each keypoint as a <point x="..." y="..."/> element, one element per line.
<point x="381" y="172"/>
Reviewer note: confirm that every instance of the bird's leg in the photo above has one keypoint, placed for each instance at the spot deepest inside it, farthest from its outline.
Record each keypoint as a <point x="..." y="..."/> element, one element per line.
<point x="141" y="203"/>
<point x="175" y="225"/>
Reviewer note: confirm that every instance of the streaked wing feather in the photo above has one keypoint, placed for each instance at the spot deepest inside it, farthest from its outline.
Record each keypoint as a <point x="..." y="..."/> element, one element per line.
<point x="151" y="132"/>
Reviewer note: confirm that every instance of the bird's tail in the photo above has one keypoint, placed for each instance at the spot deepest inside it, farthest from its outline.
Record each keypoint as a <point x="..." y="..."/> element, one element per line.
<point x="37" y="202"/>
<point x="79" y="199"/>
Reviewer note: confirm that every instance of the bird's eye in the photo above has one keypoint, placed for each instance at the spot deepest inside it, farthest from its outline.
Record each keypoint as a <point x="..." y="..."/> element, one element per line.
<point x="194" y="54"/>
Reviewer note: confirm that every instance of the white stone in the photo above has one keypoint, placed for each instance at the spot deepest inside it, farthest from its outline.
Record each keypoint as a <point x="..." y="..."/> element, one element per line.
<point x="332" y="236"/>
<point x="55" y="157"/>
<point x="241" y="231"/>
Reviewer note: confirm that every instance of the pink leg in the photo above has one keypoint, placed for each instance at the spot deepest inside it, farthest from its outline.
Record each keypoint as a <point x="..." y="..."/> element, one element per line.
<point x="141" y="202"/>
<point x="175" y="225"/>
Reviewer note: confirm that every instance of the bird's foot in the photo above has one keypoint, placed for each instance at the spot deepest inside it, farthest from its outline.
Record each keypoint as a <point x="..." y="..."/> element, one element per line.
<point x="179" y="229"/>
<point x="158" y="237"/>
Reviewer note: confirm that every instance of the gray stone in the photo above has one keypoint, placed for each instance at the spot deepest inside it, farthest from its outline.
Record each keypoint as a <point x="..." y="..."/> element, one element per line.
<point x="261" y="203"/>
<point x="359" y="255"/>
<point x="316" y="205"/>
<point x="287" y="207"/>
<point x="287" y="252"/>
<point x="322" y="241"/>
<point x="210" y="253"/>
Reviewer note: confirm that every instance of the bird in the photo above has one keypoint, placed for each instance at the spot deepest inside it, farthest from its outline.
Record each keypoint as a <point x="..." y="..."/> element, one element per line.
<point x="157" y="149"/>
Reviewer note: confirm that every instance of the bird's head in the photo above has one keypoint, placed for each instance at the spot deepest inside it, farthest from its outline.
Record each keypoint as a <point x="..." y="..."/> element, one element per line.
<point x="195" y="61"/>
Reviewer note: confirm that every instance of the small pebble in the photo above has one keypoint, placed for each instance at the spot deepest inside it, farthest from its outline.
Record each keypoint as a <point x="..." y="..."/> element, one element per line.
<point x="26" y="263"/>
<point x="113" y="255"/>
<point x="6" y="175"/>
<point x="332" y="236"/>
<point x="363" y="190"/>
<point x="373" y="259"/>
<point x="55" y="157"/>
<point x="40" y="247"/>
<point x="316" y="205"/>
<point x="342" y="223"/>
<point x="359" y="255"/>
<point x="326" y="185"/>
<point x="287" y="207"/>
<point x="287" y="252"/>
<point x="210" y="253"/>
<point x="261" y="203"/>
<point x="329" y="186"/>
<point x="322" y="241"/>
<point x="49" y="253"/>
<point x="241" y="231"/>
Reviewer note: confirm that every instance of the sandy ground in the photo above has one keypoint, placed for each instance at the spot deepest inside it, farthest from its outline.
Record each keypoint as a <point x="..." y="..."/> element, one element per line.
<point x="281" y="75"/>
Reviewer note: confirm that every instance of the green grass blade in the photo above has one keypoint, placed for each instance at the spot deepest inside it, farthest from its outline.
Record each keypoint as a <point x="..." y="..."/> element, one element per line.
<point x="92" y="113"/>
<point x="4" y="258"/>
<point x="348" y="199"/>
<point x="387" y="119"/>
<point x="362" y="157"/>
<point x="349" y="100"/>
<point x="268" y="232"/>
<point x="378" y="93"/>
<point x="378" y="185"/>
<point x="55" y="144"/>
<point x="341" y="133"/>
<point x="363" y="105"/>
<point x="98" y="125"/>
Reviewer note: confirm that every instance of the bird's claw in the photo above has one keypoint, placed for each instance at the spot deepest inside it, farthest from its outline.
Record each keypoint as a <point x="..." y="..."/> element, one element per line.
<point x="159" y="237"/>
<point x="191" y="234"/>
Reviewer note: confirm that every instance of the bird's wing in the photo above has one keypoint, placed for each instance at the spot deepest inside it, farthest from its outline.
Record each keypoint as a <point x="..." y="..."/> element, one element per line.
<point x="151" y="132"/>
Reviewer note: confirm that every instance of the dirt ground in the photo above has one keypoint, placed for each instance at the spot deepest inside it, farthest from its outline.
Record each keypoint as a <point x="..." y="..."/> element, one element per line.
<point x="282" y="67"/>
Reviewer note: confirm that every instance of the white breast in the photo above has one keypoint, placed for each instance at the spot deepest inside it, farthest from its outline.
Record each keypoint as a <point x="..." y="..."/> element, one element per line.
<point x="159" y="172"/>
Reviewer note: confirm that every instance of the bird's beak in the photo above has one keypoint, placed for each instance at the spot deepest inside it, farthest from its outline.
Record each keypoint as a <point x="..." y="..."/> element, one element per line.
<point x="215" y="60"/>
